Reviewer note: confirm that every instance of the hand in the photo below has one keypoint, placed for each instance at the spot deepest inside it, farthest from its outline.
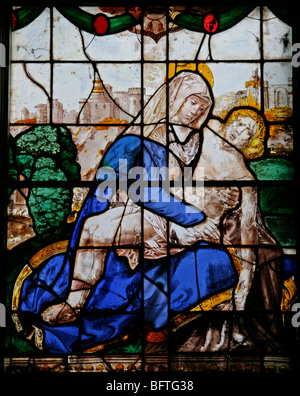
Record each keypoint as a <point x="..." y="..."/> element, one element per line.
<point x="229" y="196"/>
<point x="183" y="235"/>
<point x="218" y="200"/>
<point x="208" y="229"/>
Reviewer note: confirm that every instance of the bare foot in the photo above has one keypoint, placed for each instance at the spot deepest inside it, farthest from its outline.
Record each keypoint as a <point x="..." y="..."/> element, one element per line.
<point x="68" y="310"/>
<point x="60" y="313"/>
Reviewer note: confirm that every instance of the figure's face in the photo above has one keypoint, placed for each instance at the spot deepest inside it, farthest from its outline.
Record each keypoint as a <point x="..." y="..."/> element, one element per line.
<point x="241" y="131"/>
<point x="191" y="109"/>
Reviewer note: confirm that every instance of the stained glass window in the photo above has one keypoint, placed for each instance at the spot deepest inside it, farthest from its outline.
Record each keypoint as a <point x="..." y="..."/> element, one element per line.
<point x="151" y="203"/>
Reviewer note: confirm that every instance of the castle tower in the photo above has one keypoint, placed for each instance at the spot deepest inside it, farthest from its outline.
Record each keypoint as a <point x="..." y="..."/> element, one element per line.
<point x="99" y="105"/>
<point x="253" y="86"/>
<point x="134" y="105"/>
<point x="41" y="113"/>
<point x="57" y="111"/>
<point x="85" y="115"/>
<point x="25" y="113"/>
<point x="266" y="94"/>
<point x="134" y="100"/>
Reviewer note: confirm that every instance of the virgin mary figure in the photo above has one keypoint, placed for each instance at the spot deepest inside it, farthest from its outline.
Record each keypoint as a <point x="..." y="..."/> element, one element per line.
<point x="141" y="260"/>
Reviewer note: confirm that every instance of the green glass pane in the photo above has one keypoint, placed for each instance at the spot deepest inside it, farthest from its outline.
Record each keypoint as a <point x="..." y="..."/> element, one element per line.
<point x="49" y="207"/>
<point x="273" y="169"/>
<point x="277" y="200"/>
<point x="24" y="164"/>
<point x="86" y="21"/>
<point x="135" y="347"/>
<point x="25" y="15"/>
<point x="16" y="345"/>
<point x="46" y="153"/>
<point x="283" y="228"/>
<point x="227" y="19"/>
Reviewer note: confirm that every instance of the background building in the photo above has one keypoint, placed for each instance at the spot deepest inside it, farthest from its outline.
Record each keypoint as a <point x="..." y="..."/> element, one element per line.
<point x="101" y="105"/>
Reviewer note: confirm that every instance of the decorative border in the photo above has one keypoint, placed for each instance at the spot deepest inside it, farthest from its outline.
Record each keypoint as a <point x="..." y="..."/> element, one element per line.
<point x="47" y="252"/>
<point x="34" y="262"/>
<point x="152" y="364"/>
<point x="100" y="24"/>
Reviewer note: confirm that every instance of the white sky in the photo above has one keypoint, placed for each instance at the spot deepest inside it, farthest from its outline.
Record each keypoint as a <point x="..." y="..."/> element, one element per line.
<point x="72" y="82"/>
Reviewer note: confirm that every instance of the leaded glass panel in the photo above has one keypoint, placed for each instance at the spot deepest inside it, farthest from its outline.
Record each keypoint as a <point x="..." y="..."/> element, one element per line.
<point x="151" y="211"/>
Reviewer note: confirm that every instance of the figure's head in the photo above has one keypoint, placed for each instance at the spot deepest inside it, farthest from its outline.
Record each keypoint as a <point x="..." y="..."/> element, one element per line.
<point x="190" y="99"/>
<point x="241" y="131"/>
<point x="191" y="110"/>
<point x="189" y="102"/>
<point x="245" y="130"/>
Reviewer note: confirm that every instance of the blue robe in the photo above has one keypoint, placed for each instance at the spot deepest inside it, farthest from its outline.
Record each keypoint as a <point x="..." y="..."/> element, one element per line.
<point x="123" y="300"/>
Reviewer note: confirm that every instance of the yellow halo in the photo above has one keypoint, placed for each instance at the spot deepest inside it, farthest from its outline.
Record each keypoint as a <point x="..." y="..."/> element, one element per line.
<point x="202" y="68"/>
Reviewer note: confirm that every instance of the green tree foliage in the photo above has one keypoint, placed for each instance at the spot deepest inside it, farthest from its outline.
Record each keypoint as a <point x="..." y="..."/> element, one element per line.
<point x="45" y="153"/>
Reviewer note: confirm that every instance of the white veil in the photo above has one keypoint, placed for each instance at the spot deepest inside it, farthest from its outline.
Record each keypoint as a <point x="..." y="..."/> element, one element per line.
<point x="181" y="86"/>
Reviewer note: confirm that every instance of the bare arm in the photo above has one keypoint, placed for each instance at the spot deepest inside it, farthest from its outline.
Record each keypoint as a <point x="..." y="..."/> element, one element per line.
<point x="248" y="236"/>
